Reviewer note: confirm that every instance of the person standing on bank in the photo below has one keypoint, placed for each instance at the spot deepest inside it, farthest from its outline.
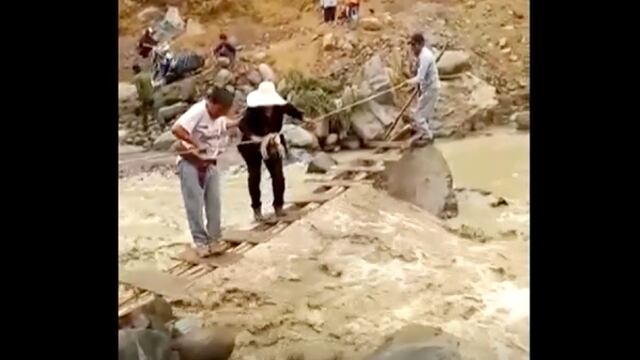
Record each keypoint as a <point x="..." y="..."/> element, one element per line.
<point x="144" y="87"/>
<point x="202" y="132"/>
<point x="428" y="83"/>
<point x="329" y="10"/>
<point x="262" y="123"/>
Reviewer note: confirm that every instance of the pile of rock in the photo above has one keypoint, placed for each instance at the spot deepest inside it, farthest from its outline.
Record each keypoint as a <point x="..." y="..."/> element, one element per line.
<point x="153" y="333"/>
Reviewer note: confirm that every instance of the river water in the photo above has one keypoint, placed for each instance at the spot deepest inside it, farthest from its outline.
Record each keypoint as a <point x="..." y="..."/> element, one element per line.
<point x="152" y="224"/>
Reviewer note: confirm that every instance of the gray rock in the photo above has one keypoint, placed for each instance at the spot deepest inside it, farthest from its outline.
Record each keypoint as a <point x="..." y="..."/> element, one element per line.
<point x="254" y="77"/>
<point x="223" y="78"/>
<point x="206" y="344"/>
<point x="321" y="163"/>
<point x="454" y="62"/>
<point x="224" y="62"/>
<point x="282" y="87"/>
<point x="261" y="56"/>
<point x="267" y="73"/>
<point x="150" y="14"/>
<point x="415" y="342"/>
<point x="296" y="136"/>
<point x="331" y="140"/>
<point x="145" y="344"/>
<point x="521" y="119"/>
<point x="127" y="92"/>
<point x="423" y="177"/>
<point x="349" y="95"/>
<point x="179" y="91"/>
<point x="167" y="113"/>
<point x="385" y="114"/>
<point x="378" y="80"/>
<point x="164" y="141"/>
<point x="366" y="125"/>
<point x="350" y="143"/>
<point x="122" y="134"/>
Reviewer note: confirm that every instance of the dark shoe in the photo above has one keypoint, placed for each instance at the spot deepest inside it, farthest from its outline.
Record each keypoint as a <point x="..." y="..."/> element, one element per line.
<point x="280" y="212"/>
<point x="257" y="215"/>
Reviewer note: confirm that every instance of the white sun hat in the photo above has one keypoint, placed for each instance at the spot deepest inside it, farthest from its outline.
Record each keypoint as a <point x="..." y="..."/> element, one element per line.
<point x="265" y="95"/>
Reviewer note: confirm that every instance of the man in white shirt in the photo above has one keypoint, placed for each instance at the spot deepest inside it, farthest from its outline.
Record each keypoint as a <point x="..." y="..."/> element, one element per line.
<point x="428" y="84"/>
<point x="202" y="132"/>
<point x="329" y="9"/>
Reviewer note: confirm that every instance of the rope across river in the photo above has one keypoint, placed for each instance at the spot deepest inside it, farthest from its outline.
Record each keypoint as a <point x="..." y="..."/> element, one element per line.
<point x="314" y="120"/>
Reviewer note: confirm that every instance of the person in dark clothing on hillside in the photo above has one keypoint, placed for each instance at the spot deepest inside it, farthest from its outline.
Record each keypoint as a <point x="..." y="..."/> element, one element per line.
<point x="144" y="87"/>
<point x="146" y="43"/>
<point x="262" y="123"/>
<point x="224" y="49"/>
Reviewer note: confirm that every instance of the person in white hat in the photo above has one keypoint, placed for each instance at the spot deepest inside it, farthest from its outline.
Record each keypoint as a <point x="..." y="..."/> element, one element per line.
<point x="262" y="123"/>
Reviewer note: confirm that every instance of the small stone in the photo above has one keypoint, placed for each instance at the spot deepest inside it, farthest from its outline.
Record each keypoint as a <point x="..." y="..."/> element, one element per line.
<point x="331" y="140"/>
<point x="209" y="344"/>
<point x="454" y="62"/>
<point x="502" y="42"/>
<point x="470" y="4"/>
<point x="163" y="142"/>
<point x="223" y="78"/>
<point x="371" y="23"/>
<point x="506" y="50"/>
<point x="224" y="62"/>
<point x="513" y="58"/>
<point x="328" y="42"/>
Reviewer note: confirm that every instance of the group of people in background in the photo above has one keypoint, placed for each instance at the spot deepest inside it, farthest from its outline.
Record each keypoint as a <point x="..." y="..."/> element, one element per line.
<point x="349" y="11"/>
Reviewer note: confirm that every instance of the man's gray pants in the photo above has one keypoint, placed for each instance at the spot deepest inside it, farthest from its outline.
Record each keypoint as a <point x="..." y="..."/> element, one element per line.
<point x="197" y="197"/>
<point x="425" y="110"/>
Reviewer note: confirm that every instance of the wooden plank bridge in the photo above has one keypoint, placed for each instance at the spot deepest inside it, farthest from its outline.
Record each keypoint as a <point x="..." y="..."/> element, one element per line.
<point x="175" y="282"/>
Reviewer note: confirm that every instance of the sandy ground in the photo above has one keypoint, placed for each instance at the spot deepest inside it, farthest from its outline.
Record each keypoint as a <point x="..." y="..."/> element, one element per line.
<point x="359" y="267"/>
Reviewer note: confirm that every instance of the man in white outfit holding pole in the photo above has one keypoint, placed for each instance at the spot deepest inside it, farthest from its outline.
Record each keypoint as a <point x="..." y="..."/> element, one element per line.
<point x="428" y="84"/>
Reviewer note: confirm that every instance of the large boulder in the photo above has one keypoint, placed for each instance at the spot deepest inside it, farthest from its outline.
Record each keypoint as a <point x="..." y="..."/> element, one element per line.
<point x="423" y="177"/>
<point x="145" y="344"/>
<point x="521" y="119"/>
<point x="415" y="342"/>
<point x="267" y="73"/>
<point x="321" y="163"/>
<point x="384" y="113"/>
<point x="378" y="79"/>
<point x="453" y="62"/>
<point x="297" y="136"/>
<point x="164" y="141"/>
<point x="179" y="91"/>
<point x="366" y="125"/>
<point x="215" y="343"/>
<point x="167" y="113"/>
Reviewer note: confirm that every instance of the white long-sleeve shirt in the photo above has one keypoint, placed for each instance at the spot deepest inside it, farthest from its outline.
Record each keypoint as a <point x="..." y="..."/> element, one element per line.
<point x="427" y="75"/>
<point x="328" y="3"/>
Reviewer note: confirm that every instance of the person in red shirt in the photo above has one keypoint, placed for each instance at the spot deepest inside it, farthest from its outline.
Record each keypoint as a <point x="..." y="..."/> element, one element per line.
<point x="146" y="43"/>
<point x="224" y="49"/>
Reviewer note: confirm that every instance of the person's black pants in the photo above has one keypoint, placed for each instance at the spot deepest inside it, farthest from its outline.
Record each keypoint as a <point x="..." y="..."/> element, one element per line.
<point x="329" y="13"/>
<point x="252" y="157"/>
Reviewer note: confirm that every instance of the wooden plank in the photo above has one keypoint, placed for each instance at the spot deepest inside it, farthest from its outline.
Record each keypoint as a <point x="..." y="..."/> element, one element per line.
<point x="222" y="260"/>
<point x="340" y="182"/>
<point x="356" y="168"/>
<point x="241" y="236"/>
<point x="156" y="282"/>
<point x="311" y="198"/>
<point x="386" y="144"/>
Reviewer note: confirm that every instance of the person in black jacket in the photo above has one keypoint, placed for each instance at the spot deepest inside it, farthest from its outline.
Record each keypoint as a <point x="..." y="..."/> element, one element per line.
<point x="261" y="124"/>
